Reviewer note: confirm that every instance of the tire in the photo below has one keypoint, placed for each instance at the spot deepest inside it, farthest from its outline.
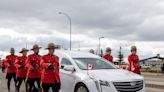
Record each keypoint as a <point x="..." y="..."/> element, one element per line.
<point x="81" y="88"/>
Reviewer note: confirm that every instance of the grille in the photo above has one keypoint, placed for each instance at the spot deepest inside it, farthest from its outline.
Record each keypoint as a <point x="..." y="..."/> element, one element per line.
<point x="132" y="86"/>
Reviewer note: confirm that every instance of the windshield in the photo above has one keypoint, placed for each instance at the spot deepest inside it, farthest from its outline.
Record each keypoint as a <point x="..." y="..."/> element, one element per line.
<point x="96" y="63"/>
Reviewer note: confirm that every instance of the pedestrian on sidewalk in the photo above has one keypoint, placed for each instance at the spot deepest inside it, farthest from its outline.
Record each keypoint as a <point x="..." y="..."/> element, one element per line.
<point x="50" y="75"/>
<point x="11" y="69"/>
<point x="34" y="70"/>
<point x="20" y="65"/>
<point x="134" y="61"/>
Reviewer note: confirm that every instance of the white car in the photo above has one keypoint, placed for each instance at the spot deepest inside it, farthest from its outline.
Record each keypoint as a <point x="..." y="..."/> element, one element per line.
<point x="102" y="76"/>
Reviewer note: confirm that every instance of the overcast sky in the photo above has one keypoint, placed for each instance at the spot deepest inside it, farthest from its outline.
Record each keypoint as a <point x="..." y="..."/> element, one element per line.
<point x="121" y="22"/>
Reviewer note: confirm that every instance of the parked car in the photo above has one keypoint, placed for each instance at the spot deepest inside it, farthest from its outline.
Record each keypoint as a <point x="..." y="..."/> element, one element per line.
<point x="85" y="72"/>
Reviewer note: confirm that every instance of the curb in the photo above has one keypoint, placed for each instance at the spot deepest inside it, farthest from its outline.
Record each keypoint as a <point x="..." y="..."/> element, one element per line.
<point x="151" y="85"/>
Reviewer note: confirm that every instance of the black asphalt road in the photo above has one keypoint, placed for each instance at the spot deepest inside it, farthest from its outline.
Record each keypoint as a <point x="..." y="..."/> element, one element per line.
<point x="3" y="85"/>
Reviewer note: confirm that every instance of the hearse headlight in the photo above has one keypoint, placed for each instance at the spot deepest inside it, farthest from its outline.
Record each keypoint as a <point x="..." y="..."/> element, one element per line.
<point x="96" y="83"/>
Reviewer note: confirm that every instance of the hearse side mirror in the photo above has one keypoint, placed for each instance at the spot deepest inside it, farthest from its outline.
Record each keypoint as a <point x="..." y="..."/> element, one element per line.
<point x="69" y="68"/>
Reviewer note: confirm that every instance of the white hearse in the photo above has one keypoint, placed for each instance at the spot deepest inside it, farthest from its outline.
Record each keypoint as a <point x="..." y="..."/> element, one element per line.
<point x="85" y="72"/>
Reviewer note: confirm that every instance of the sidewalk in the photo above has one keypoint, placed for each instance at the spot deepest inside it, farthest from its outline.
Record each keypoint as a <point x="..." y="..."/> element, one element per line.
<point x="154" y="80"/>
<point x="152" y="74"/>
<point x="153" y="84"/>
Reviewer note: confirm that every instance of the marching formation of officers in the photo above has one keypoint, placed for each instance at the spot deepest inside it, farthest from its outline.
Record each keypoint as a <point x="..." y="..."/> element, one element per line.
<point x="132" y="58"/>
<point x="34" y="68"/>
<point x="44" y="70"/>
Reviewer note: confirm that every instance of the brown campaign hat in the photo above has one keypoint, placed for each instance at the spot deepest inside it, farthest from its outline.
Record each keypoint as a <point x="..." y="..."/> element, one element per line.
<point x="51" y="46"/>
<point x="91" y="50"/>
<point x="23" y="49"/>
<point x="36" y="47"/>
<point x="108" y="49"/>
<point x="12" y="49"/>
<point x="133" y="48"/>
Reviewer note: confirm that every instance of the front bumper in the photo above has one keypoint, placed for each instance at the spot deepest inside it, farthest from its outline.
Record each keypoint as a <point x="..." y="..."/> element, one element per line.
<point x="112" y="88"/>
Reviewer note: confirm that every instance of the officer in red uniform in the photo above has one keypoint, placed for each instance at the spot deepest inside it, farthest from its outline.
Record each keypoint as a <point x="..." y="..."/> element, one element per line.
<point x="108" y="56"/>
<point x="50" y="75"/>
<point x="34" y="69"/>
<point x="20" y="65"/>
<point x="11" y="69"/>
<point x="134" y="61"/>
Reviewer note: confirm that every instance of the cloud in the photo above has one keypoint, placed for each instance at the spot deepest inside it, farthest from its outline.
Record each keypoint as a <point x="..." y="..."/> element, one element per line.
<point x="125" y="22"/>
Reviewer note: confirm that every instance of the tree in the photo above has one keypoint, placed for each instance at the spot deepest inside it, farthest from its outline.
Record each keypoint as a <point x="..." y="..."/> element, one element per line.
<point x="101" y="53"/>
<point x="120" y="56"/>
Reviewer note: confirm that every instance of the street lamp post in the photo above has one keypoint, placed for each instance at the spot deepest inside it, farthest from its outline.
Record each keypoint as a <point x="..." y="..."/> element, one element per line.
<point x="69" y="18"/>
<point x="100" y="44"/>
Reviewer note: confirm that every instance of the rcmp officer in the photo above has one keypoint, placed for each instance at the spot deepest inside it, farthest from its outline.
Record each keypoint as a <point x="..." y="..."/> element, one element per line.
<point x="21" y="68"/>
<point x="108" y="55"/>
<point x="34" y="69"/>
<point x="11" y="69"/>
<point x="50" y="75"/>
<point x="134" y="61"/>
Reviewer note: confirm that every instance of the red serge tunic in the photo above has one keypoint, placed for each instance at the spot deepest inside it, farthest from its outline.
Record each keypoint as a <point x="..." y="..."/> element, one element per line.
<point x="109" y="58"/>
<point x="9" y="63"/>
<point x="133" y="63"/>
<point x="50" y="75"/>
<point x="33" y="65"/>
<point x="21" y="67"/>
